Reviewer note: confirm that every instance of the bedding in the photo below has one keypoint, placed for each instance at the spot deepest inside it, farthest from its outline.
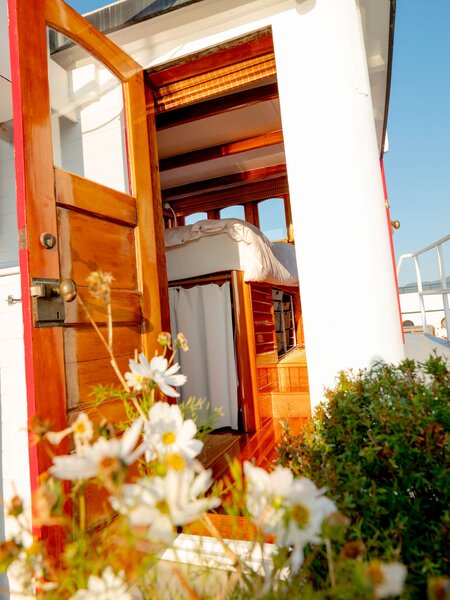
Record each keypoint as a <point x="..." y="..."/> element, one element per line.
<point x="212" y="246"/>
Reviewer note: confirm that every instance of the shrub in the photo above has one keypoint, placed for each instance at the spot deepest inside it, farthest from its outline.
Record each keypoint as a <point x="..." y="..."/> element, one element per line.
<point x="380" y="445"/>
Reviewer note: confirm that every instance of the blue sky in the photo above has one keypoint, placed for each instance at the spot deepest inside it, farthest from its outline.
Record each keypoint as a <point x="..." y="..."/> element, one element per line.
<point x="418" y="162"/>
<point x="83" y="6"/>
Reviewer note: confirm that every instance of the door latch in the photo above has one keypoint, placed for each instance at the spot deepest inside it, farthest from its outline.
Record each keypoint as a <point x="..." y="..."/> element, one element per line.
<point x="48" y="297"/>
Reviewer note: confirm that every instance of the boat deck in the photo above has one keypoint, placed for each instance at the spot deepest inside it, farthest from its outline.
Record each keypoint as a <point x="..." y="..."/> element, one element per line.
<point x="419" y="346"/>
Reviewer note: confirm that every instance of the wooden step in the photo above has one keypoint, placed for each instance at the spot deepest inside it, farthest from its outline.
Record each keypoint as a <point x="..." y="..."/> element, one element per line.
<point x="292" y="377"/>
<point x="290" y="404"/>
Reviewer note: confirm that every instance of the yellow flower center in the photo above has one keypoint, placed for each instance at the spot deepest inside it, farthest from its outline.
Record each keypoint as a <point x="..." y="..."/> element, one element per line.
<point x="110" y="464"/>
<point x="175" y="462"/>
<point x="300" y="514"/>
<point x="168" y="437"/>
<point x="79" y="428"/>
<point x="163" y="507"/>
<point x="277" y="502"/>
<point x="375" y="573"/>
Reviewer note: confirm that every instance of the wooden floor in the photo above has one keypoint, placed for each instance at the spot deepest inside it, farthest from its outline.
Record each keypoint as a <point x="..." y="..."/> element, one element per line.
<point x="297" y="356"/>
<point x="260" y="447"/>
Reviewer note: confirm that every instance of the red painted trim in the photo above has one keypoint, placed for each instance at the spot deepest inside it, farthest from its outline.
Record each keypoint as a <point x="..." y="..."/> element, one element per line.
<point x="391" y="240"/>
<point x="19" y="158"/>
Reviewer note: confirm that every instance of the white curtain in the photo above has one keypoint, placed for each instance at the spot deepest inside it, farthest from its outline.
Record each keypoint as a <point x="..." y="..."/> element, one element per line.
<point x="203" y="315"/>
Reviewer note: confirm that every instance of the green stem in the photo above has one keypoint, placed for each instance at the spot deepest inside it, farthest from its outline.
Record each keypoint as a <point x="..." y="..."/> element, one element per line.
<point x="82" y="506"/>
<point x="330" y="563"/>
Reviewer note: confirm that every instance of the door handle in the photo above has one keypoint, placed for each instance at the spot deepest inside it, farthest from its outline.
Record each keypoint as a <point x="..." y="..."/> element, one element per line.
<point x="67" y="290"/>
<point x="48" y="298"/>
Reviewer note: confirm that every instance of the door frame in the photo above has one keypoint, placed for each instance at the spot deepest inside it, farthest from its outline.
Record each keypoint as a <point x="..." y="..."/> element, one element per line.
<point x="36" y="195"/>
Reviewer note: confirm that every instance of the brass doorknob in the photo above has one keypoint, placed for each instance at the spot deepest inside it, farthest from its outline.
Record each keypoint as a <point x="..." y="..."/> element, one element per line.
<point x="67" y="290"/>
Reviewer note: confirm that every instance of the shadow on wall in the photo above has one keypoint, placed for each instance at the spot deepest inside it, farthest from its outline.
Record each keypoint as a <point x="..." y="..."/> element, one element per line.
<point x="305" y="6"/>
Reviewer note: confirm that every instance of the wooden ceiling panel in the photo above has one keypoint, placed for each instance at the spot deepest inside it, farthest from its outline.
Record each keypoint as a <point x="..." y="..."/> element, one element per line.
<point x="226" y="165"/>
<point x="218" y="129"/>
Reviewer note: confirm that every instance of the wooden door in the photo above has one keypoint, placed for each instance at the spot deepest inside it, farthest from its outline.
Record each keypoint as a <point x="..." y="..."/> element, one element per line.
<point x="96" y="228"/>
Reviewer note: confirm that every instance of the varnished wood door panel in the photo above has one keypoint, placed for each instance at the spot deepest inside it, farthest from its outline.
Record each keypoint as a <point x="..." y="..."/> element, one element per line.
<point x="72" y="191"/>
<point x="125" y="306"/>
<point x="88" y="364"/>
<point x="91" y="244"/>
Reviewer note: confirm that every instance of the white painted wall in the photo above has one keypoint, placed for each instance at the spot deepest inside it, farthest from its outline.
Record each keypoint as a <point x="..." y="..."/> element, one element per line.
<point x="336" y="191"/>
<point x="14" y="465"/>
<point x="8" y="222"/>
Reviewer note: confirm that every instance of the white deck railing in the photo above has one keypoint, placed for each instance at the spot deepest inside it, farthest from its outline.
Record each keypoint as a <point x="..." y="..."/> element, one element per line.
<point x="444" y="290"/>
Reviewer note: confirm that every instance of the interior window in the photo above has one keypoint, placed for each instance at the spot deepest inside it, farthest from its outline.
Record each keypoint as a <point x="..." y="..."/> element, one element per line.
<point x="272" y="218"/>
<point x="233" y="212"/>
<point x="283" y="308"/>
<point x="199" y="216"/>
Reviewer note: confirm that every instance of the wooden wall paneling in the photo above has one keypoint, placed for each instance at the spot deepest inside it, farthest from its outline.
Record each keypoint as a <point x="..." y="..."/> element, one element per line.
<point x="298" y="319"/>
<point x="246" y="352"/>
<point x="263" y="318"/>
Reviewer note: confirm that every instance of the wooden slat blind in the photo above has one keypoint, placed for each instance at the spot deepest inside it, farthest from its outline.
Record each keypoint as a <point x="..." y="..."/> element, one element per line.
<point x="218" y="199"/>
<point x="215" y="82"/>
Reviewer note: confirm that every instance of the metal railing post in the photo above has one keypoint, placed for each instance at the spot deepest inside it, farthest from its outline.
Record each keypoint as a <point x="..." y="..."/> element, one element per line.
<point x="421" y="297"/>
<point x="444" y="287"/>
<point x="444" y="290"/>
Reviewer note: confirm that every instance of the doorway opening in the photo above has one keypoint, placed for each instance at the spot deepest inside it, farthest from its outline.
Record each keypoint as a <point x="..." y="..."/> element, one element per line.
<point x="216" y="121"/>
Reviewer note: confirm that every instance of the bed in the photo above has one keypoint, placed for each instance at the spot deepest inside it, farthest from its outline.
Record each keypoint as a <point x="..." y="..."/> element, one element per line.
<point x="213" y="246"/>
<point x="212" y="267"/>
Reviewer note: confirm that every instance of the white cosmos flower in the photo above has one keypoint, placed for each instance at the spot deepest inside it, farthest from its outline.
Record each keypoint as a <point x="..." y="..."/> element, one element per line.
<point x="167" y="433"/>
<point x="162" y="503"/>
<point x="387" y="579"/>
<point x="88" y="463"/>
<point x="107" y="587"/>
<point x="291" y="509"/>
<point x="158" y="371"/>
<point x="82" y="430"/>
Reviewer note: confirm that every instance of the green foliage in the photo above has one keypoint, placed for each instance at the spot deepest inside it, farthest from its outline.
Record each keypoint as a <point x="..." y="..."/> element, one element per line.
<point x="380" y="446"/>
